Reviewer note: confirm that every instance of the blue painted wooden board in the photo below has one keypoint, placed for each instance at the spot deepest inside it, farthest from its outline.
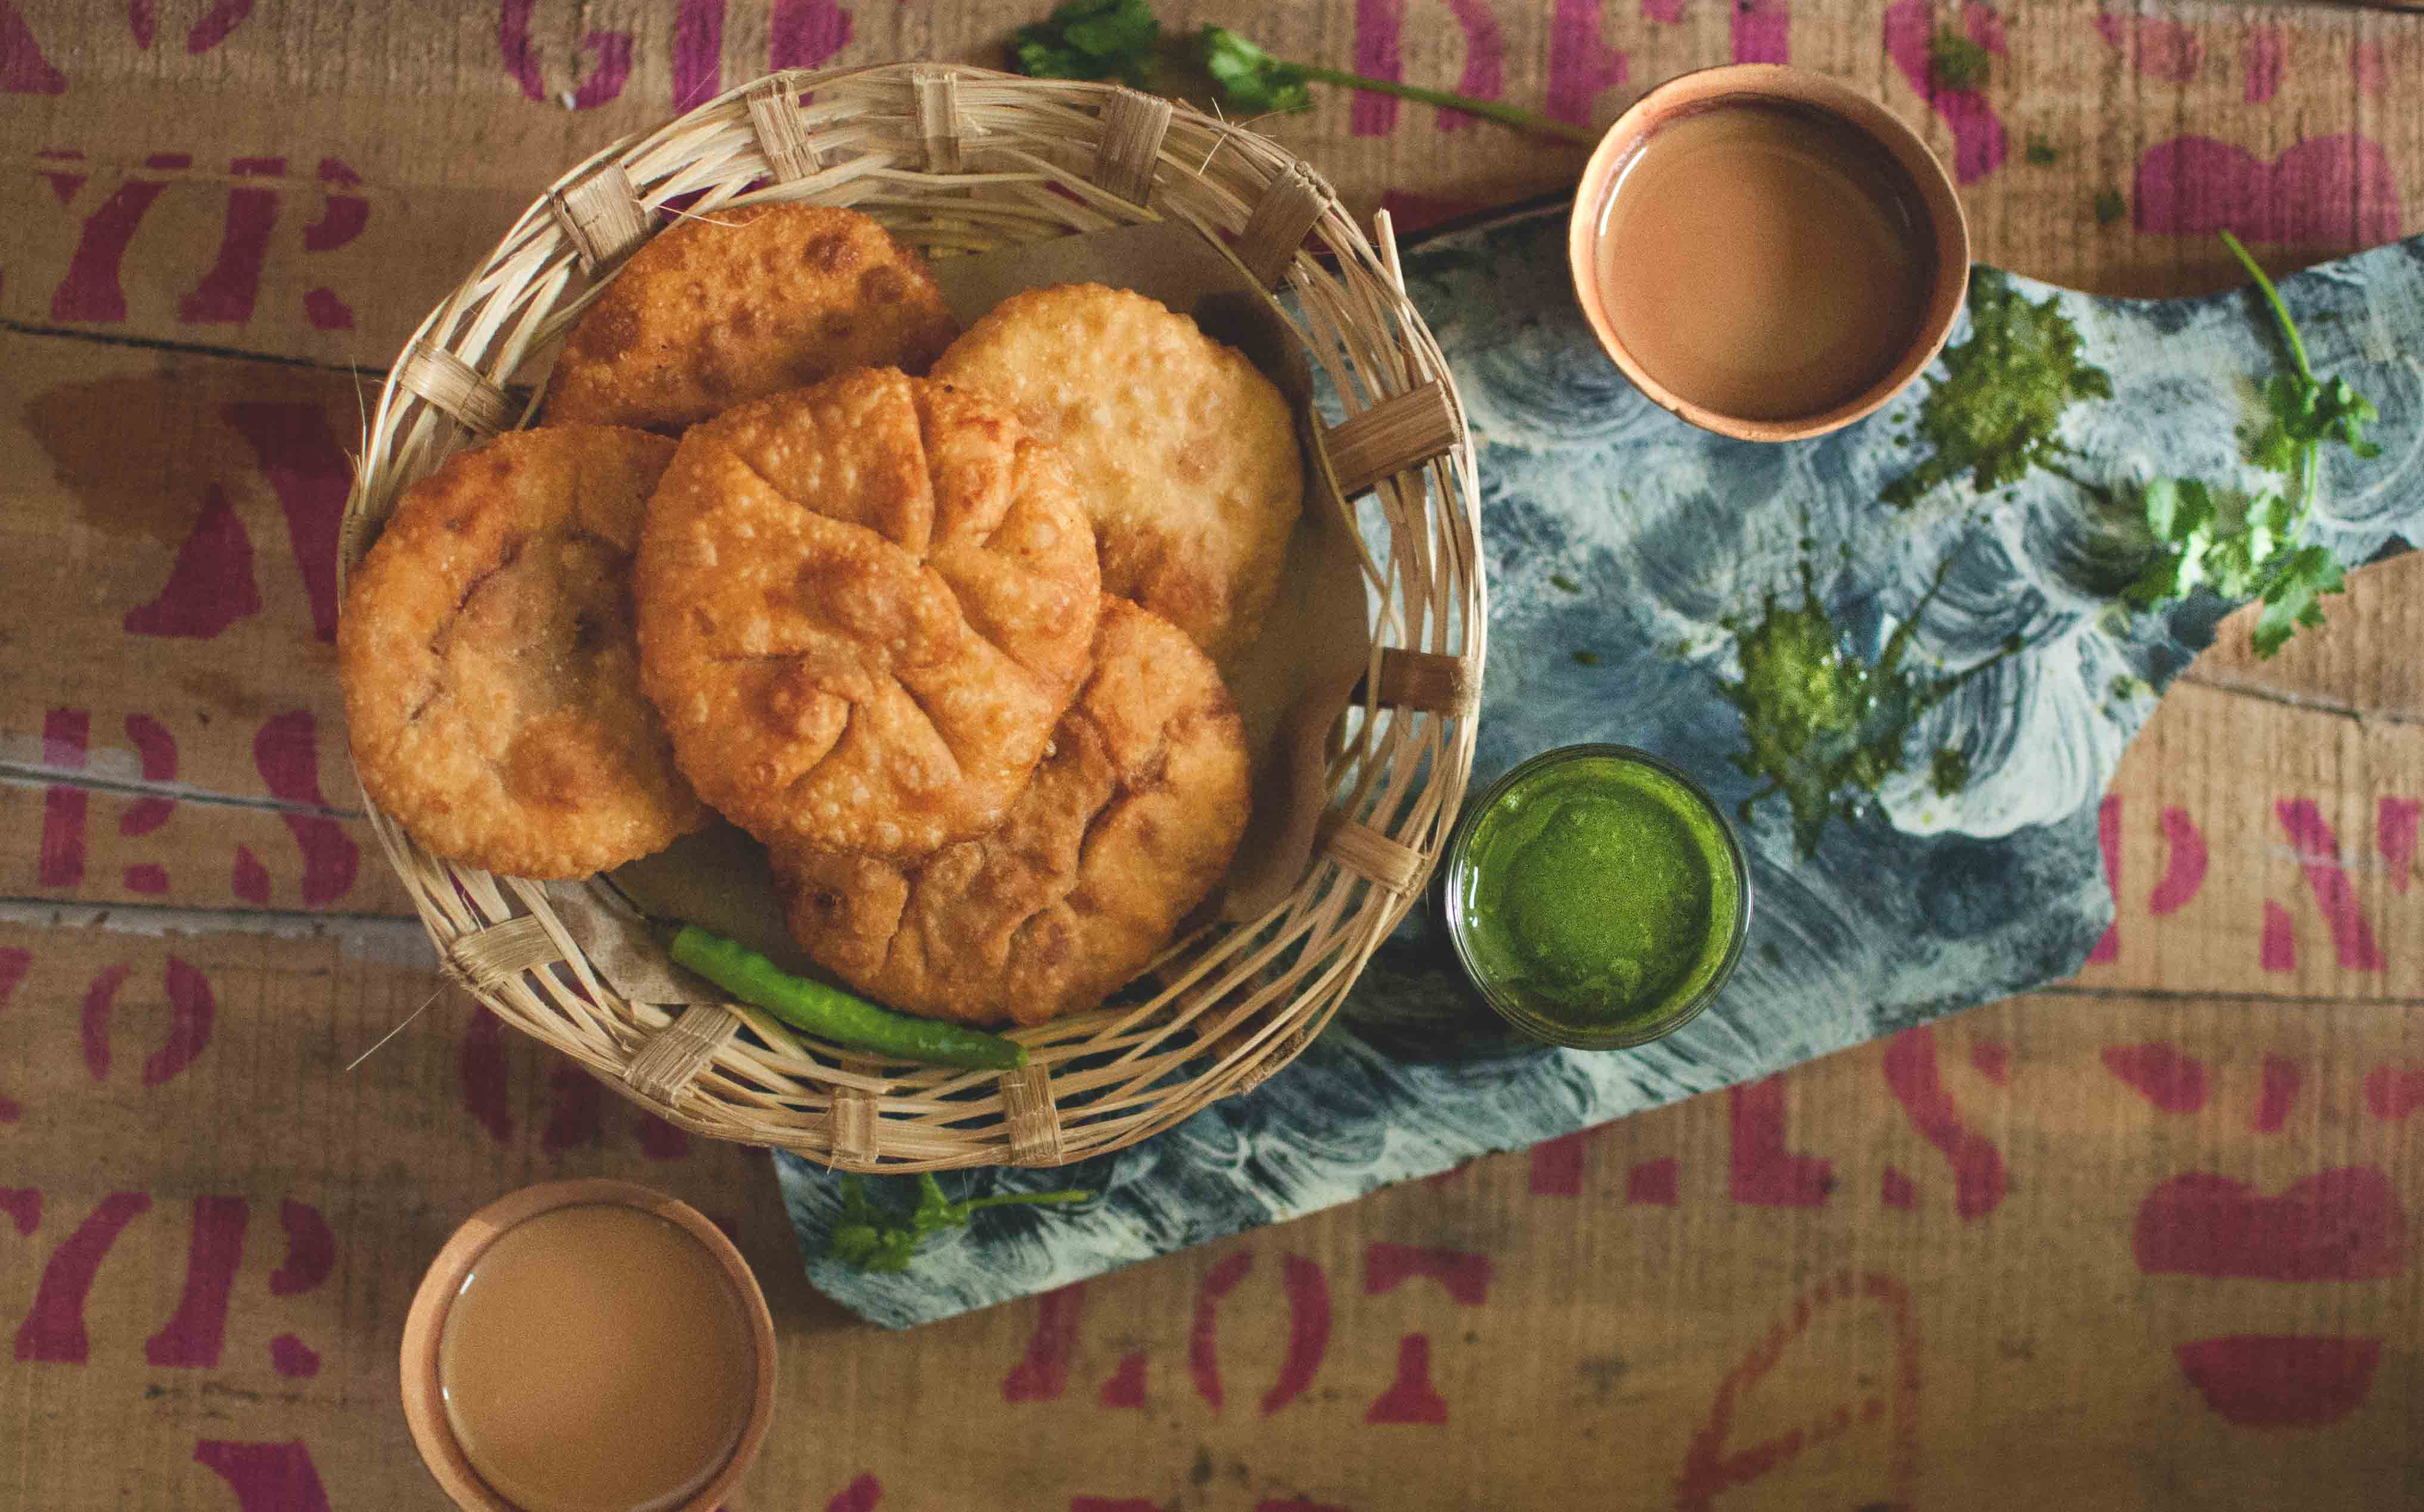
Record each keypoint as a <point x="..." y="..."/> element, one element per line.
<point x="1922" y="906"/>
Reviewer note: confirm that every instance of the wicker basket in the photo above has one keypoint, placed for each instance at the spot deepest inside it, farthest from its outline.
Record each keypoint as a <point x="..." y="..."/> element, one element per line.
<point x="955" y="160"/>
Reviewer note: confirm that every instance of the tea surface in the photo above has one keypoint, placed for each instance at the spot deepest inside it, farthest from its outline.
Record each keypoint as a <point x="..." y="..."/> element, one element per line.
<point x="1766" y="261"/>
<point x="597" y="1359"/>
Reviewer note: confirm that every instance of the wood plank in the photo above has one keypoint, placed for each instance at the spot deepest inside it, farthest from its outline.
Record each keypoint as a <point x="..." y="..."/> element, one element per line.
<point x="169" y="539"/>
<point x="2264" y="848"/>
<point x="64" y="844"/>
<point x="1998" y="1189"/>
<point x="2194" y="1151"/>
<point x="258" y="1215"/>
<point x="2370" y="672"/>
<point x="2263" y="827"/>
<point x="312" y="180"/>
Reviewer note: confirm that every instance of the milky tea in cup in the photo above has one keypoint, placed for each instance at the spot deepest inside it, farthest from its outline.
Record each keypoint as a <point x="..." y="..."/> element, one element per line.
<point x="588" y="1346"/>
<point x="1761" y="258"/>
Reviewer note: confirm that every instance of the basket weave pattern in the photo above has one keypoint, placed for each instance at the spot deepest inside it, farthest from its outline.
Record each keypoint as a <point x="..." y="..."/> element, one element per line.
<point x="955" y="160"/>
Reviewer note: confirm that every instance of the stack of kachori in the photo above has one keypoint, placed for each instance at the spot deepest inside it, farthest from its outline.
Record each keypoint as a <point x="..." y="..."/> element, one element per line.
<point x="949" y="645"/>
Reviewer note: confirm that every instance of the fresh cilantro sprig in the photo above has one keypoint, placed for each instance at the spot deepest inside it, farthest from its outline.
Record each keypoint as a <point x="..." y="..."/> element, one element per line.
<point x="1123" y="40"/>
<point x="870" y="1237"/>
<point x="1251" y="82"/>
<point x="2248" y="549"/>
<point x="1092" y="39"/>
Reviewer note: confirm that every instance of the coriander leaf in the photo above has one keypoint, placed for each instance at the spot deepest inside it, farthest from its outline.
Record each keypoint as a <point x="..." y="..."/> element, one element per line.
<point x="2302" y="412"/>
<point x="2110" y="206"/>
<point x="855" y="1205"/>
<point x="2292" y="598"/>
<point x="1091" y="40"/>
<point x="1250" y="80"/>
<point x="934" y="1210"/>
<point x="1120" y="39"/>
<point x="2344" y="414"/>
<point x="866" y="1237"/>
<point x="2180" y="514"/>
<point x="2272" y="519"/>
<point x="853" y="1245"/>
<point x="2288" y="403"/>
<point x="2163" y="503"/>
<point x="863" y="1247"/>
<point x="2041" y="153"/>
<point x="2158" y="582"/>
<point x="1956" y="62"/>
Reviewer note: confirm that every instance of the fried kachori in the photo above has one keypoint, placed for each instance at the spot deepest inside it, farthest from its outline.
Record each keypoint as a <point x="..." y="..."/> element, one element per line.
<point x="862" y="608"/>
<point x="1185" y="455"/>
<point x="491" y="667"/>
<point x="742" y="303"/>
<point x="1128" y="823"/>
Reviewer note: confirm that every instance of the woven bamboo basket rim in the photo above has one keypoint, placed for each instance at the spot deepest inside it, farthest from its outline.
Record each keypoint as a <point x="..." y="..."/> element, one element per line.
<point x="955" y="160"/>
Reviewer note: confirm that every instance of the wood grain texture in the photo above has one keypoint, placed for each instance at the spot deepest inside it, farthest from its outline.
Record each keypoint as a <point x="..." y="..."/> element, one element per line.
<point x="313" y="180"/>
<point x="1582" y="1308"/>
<point x="1633" y="1290"/>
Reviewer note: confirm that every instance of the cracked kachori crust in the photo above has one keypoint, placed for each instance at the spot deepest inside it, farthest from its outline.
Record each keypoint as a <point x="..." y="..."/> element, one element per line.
<point x="741" y="303"/>
<point x="862" y="608"/>
<point x="1129" y="822"/>
<point x="490" y="669"/>
<point x="1185" y="454"/>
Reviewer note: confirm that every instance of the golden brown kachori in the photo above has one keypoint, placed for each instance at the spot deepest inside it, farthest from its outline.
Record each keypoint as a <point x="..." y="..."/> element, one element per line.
<point x="1185" y="455"/>
<point x="491" y="668"/>
<point x="862" y="608"/>
<point x="1129" y="822"/>
<point x="745" y="302"/>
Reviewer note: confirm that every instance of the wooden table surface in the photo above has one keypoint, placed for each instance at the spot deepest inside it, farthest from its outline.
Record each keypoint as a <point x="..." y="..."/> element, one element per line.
<point x="2145" y="1239"/>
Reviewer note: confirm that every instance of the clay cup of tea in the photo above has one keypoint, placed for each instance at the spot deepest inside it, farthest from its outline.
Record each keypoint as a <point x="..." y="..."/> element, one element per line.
<point x="589" y="1346"/>
<point x="1766" y="253"/>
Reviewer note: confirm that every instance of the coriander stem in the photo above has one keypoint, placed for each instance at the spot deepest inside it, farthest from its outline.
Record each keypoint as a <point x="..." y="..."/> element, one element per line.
<point x="1486" y="110"/>
<point x="2280" y="311"/>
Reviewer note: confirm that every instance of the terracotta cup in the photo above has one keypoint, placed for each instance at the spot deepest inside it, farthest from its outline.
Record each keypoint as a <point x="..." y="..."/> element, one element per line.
<point x="425" y="1409"/>
<point x="1752" y="84"/>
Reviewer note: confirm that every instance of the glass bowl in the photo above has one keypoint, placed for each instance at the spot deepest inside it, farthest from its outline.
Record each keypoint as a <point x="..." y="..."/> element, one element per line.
<point x="1587" y="1015"/>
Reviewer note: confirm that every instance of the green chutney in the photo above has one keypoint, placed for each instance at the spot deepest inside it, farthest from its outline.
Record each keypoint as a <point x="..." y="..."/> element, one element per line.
<point x="1596" y="897"/>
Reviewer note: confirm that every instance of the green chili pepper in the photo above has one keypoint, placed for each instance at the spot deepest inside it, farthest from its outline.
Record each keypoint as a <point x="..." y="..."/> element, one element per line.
<point x="836" y="1015"/>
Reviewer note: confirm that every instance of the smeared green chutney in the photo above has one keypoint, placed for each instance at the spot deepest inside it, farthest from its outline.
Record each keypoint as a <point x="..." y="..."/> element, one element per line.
<point x="1993" y="414"/>
<point x="1599" y="898"/>
<point x="1826" y="727"/>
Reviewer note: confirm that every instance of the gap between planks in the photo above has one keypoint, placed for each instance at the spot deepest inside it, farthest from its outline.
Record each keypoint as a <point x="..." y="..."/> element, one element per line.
<point x="2168" y="997"/>
<point x="2309" y="703"/>
<point x="36" y="775"/>
<point x="159" y="343"/>
<point x="399" y="940"/>
<point x="392" y="939"/>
